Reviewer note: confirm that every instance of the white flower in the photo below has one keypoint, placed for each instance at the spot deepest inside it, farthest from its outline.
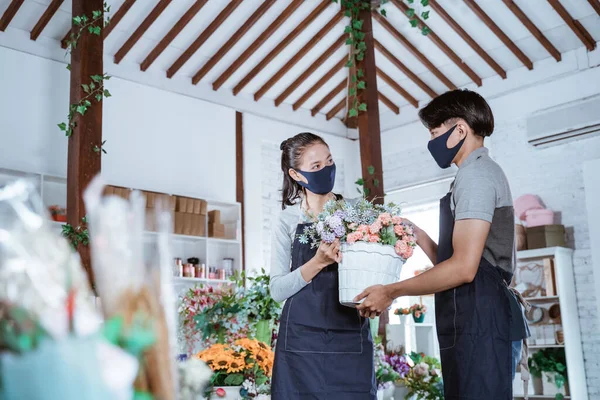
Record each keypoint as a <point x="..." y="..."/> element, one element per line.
<point x="194" y="375"/>
<point x="422" y="369"/>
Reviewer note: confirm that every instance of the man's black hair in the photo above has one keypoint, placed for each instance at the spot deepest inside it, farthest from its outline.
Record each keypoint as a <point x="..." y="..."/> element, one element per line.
<point x="459" y="103"/>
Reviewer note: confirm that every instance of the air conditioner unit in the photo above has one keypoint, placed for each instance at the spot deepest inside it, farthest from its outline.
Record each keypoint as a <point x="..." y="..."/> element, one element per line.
<point x="569" y="121"/>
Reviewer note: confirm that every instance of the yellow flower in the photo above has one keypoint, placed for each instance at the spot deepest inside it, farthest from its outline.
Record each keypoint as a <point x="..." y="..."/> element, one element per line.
<point x="236" y="365"/>
<point x="221" y="362"/>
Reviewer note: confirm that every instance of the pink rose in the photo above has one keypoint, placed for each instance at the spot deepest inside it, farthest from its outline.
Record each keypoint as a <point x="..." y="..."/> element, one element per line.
<point x="363" y="229"/>
<point x="401" y="247"/>
<point x="385" y="218"/>
<point x="375" y="227"/>
<point x="353" y="237"/>
<point x="408" y="253"/>
<point x="373" y="238"/>
<point x="396" y="220"/>
<point x="352" y="226"/>
<point x="399" y="230"/>
<point x="409" y="229"/>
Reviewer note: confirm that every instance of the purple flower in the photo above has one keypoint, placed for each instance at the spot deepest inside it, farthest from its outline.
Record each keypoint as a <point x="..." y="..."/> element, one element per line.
<point x="334" y="221"/>
<point x="399" y="364"/>
<point x="328" y="237"/>
<point x="339" y="231"/>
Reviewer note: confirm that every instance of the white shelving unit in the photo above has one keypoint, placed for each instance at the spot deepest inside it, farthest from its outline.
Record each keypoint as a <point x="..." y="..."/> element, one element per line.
<point x="566" y="298"/>
<point x="210" y="251"/>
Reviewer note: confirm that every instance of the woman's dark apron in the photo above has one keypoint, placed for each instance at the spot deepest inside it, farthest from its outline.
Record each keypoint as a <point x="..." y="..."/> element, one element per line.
<point x="476" y="325"/>
<point x="324" y="350"/>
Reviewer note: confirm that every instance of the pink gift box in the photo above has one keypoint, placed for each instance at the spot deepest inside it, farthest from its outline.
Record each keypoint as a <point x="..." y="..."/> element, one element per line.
<point x="525" y="203"/>
<point x="535" y="218"/>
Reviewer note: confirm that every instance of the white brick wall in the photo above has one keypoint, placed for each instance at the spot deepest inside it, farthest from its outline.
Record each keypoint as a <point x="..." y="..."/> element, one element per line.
<point x="555" y="174"/>
<point x="271" y="191"/>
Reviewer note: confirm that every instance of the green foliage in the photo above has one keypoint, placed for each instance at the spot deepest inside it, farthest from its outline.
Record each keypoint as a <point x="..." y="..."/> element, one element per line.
<point x="424" y="383"/>
<point x="94" y="90"/>
<point x="77" y="235"/>
<point x="553" y="362"/>
<point x="356" y="36"/>
<point x="362" y="183"/>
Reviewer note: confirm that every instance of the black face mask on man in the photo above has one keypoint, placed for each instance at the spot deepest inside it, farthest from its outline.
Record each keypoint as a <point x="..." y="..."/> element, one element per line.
<point x="439" y="150"/>
<point x="319" y="182"/>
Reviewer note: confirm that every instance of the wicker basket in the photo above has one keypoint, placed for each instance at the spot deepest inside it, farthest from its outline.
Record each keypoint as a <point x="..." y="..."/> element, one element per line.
<point x="366" y="264"/>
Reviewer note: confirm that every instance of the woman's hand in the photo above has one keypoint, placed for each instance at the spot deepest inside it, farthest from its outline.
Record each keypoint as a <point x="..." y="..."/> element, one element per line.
<point x="328" y="254"/>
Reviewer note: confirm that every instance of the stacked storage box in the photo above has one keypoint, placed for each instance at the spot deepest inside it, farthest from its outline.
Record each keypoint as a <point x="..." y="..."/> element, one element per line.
<point x="215" y="228"/>
<point x="190" y="216"/>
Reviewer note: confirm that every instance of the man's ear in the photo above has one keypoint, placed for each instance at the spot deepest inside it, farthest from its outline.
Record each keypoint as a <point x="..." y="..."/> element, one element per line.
<point x="462" y="128"/>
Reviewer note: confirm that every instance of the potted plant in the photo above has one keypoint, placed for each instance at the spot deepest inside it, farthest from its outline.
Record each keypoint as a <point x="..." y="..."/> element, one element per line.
<point x="58" y="213"/>
<point x="384" y="373"/>
<point x="242" y="370"/>
<point x="550" y="363"/>
<point x="424" y="381"/>
<point x="418" y="312"/>
<point x="403" y="313"/>
<point x="400" y="365"/>
<point x="375" y="240"/>
<point x="211" y="315"/>
<point x="261" y="310"/>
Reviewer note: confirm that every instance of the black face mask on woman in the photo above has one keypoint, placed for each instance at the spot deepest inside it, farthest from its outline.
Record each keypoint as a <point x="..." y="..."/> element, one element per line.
<point x="319" y="182"/>
<point x="439" y="150"/>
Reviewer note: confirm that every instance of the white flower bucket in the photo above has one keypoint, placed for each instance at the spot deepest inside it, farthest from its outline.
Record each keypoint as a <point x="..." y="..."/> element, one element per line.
<point x="366" y="264"/>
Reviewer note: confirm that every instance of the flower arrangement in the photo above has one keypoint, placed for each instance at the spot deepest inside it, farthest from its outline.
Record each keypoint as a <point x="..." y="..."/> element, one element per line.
<point x="361" y="221"/>
<point x="261" y="310"/>
<point x="424" y="381"/>
<point x="402" y="311"/>
<point x="385" y="373"/>
<point x="211" y="315"/>
<point x="246" y="362"/>
<point x="58" y="213"/>
<point x="418" y="312"/>
<point x="399" y="364"/>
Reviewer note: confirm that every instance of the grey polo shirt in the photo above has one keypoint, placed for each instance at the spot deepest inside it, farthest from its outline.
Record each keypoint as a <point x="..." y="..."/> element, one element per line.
<point x="481" y="191"/>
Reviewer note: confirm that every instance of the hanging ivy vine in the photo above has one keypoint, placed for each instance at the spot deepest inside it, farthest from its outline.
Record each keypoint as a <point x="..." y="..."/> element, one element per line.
<point x="77" y="235"/>
<point x="94" y="90"/>
<point x="356" y="41"/>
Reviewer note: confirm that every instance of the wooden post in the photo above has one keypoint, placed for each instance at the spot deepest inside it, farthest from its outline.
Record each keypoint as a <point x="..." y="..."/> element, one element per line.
<point x="239" y="160"/>
<point x="369" y="130"/>
<point x="83" y="162"/>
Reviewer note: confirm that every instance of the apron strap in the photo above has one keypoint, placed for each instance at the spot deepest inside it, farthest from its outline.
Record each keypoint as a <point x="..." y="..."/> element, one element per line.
<point x="525" y="375"/>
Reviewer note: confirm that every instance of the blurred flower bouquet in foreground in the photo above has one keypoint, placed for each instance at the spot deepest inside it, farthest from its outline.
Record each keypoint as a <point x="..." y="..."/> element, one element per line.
<point x="54" y="343"/>
<point x="376" y="242"/>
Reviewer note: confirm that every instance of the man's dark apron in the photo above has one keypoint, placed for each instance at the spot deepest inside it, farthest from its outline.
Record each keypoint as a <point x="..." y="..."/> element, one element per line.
<point x="476" y="325"/>
<point x="324" y="350"/>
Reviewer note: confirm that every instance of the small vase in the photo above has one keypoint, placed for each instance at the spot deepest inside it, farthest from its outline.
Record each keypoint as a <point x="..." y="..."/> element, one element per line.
<point x="226" y="393"/>
<point x="419" y="319"/>
<point x="400" y="391"/>
<point x="538" y="385"/>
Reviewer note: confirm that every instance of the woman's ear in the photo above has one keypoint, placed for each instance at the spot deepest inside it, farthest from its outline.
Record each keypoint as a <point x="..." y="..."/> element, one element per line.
<point x="296" y="176"/>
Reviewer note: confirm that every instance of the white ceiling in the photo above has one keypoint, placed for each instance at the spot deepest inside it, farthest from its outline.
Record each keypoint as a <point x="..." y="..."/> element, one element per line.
<point x="539" y="11"/>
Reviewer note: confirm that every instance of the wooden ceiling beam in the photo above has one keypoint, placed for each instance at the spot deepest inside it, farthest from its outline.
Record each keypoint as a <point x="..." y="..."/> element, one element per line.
<point x="324" y="79"/>
<point x="413" y="50"/>
<point x="389" y="104"/>
<point x="282" y="45"/>
<point x="289" y="10"/>
<point x="440" y="44"/>
<point x="336" y="109"/>
<point x="394" y="85"/>
<point x="114" y="21"/>
<point x="578" y="29"/>
<point x="207" y="33"/>
<point x="250" y="22"/>
<point x="45" y="18"/>
<point x="328" y="97"/>
<point x="516" y="10"/>
<point x="10" y="13"/>
<point x="411" y="75"/>
<point x="439" y="10"/>
<point x="298" y="56"/>
<point x="137" y="34"/>
<point x="499" y="33"/>
<point x="309" y="71"/>
<point x="595" y="5"/>
<point x="172" y="34"/>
